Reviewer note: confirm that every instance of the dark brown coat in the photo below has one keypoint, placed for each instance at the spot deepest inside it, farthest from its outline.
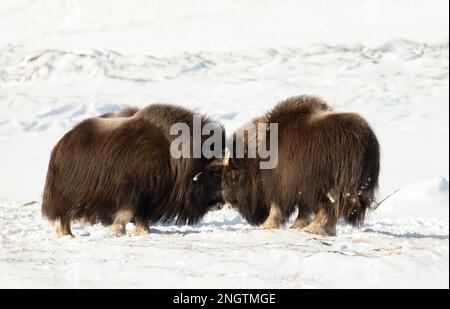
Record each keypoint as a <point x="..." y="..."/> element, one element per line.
<point x="328" y="164"/>
<point x="113" y="170"/>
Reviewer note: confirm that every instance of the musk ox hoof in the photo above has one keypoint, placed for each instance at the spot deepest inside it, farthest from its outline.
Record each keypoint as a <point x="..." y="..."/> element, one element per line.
<point x="299" y="224"/>
<point x="63" y="234"/>
<point x="318" y="229"/>
<point x="62" y="229"/>
<point x="85" y="221"/>
<point x="141" y="231"/>
<point x="117" y="230"/>
<point x="269" y="225"/>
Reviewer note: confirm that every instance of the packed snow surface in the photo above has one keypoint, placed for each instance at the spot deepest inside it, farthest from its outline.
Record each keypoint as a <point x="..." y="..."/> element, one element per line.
<point x="225" y="252"/>
<point x="64" y="61"/>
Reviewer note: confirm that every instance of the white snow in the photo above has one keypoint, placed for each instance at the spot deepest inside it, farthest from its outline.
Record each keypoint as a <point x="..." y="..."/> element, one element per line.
<point x="225" y="252"/>
<point x="64" y="61"/>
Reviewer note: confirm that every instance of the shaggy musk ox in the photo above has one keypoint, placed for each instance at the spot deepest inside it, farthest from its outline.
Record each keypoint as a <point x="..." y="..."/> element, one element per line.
<point x="118" y="168"/>
<point x="328" y="164"/>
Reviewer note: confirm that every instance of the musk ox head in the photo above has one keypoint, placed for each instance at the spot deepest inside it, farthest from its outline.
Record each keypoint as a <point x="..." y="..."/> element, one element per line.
<point x="207" y="185"/>
<point x="241" y="188"/>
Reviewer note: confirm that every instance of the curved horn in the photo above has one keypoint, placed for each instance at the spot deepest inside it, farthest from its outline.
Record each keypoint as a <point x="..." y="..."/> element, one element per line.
<point x="196" y="177"/>
<point x="226" y="159"/>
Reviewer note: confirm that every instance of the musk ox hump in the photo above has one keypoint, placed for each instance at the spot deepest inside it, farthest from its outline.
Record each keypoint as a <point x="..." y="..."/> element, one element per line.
<point x="319" y="116"/>
<point x="103" y="125"/>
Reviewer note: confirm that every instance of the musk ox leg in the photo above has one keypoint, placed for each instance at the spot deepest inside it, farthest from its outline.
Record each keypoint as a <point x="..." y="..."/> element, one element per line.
<point x="274" y="219"/>
<point x="121" y="218"/>
<point x="142" y="227"/>
<point x="322" y="225"/>
<point x="302" y="218"/>
<point x="85" y="221"/>
<point x="62" y="227"/>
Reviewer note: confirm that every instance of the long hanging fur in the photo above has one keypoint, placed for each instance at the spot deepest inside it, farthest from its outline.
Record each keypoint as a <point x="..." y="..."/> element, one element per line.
<point x="121" y="162"/>
<point x="327" y="161"/>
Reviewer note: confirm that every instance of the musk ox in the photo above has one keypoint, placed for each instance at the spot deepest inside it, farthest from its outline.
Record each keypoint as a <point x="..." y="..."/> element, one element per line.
<point x="117" y="169"/>
<point x="328" y="165"/>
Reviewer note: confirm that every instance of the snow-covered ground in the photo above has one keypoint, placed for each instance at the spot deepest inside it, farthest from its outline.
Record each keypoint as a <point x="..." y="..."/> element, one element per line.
<point x="64" y="61"/>
<point x="390" y="251"/>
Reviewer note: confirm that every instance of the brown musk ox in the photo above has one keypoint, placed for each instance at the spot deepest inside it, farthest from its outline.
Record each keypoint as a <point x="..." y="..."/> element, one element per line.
<point x="328" y="165"/>
<point x="120" y="169"/>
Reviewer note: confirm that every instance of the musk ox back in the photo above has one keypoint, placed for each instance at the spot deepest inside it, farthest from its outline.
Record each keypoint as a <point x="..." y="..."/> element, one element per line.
<point x="328" y="164"/>
<point x="119" y="169"/>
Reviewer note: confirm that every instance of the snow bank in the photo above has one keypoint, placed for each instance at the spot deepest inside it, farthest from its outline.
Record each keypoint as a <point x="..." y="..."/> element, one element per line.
<point x="427" y="199"/>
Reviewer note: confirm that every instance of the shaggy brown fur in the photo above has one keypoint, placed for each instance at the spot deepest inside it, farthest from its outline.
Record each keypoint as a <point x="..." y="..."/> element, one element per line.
<point x="113" y="170"/>
<point x="328" y="164"/>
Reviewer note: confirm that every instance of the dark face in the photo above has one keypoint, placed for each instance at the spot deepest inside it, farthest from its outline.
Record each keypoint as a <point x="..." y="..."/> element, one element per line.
<point x="241" y="191"/>
<point x="232" y="179"/>
<point x="210" y="182"/>
<point x="235" y="181"/>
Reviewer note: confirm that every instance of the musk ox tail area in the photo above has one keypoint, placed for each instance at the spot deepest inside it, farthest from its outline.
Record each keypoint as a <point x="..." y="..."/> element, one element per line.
<point x="52" y="204"/>
<point x="356" y="176"/>
<point x="48" y="199"/>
